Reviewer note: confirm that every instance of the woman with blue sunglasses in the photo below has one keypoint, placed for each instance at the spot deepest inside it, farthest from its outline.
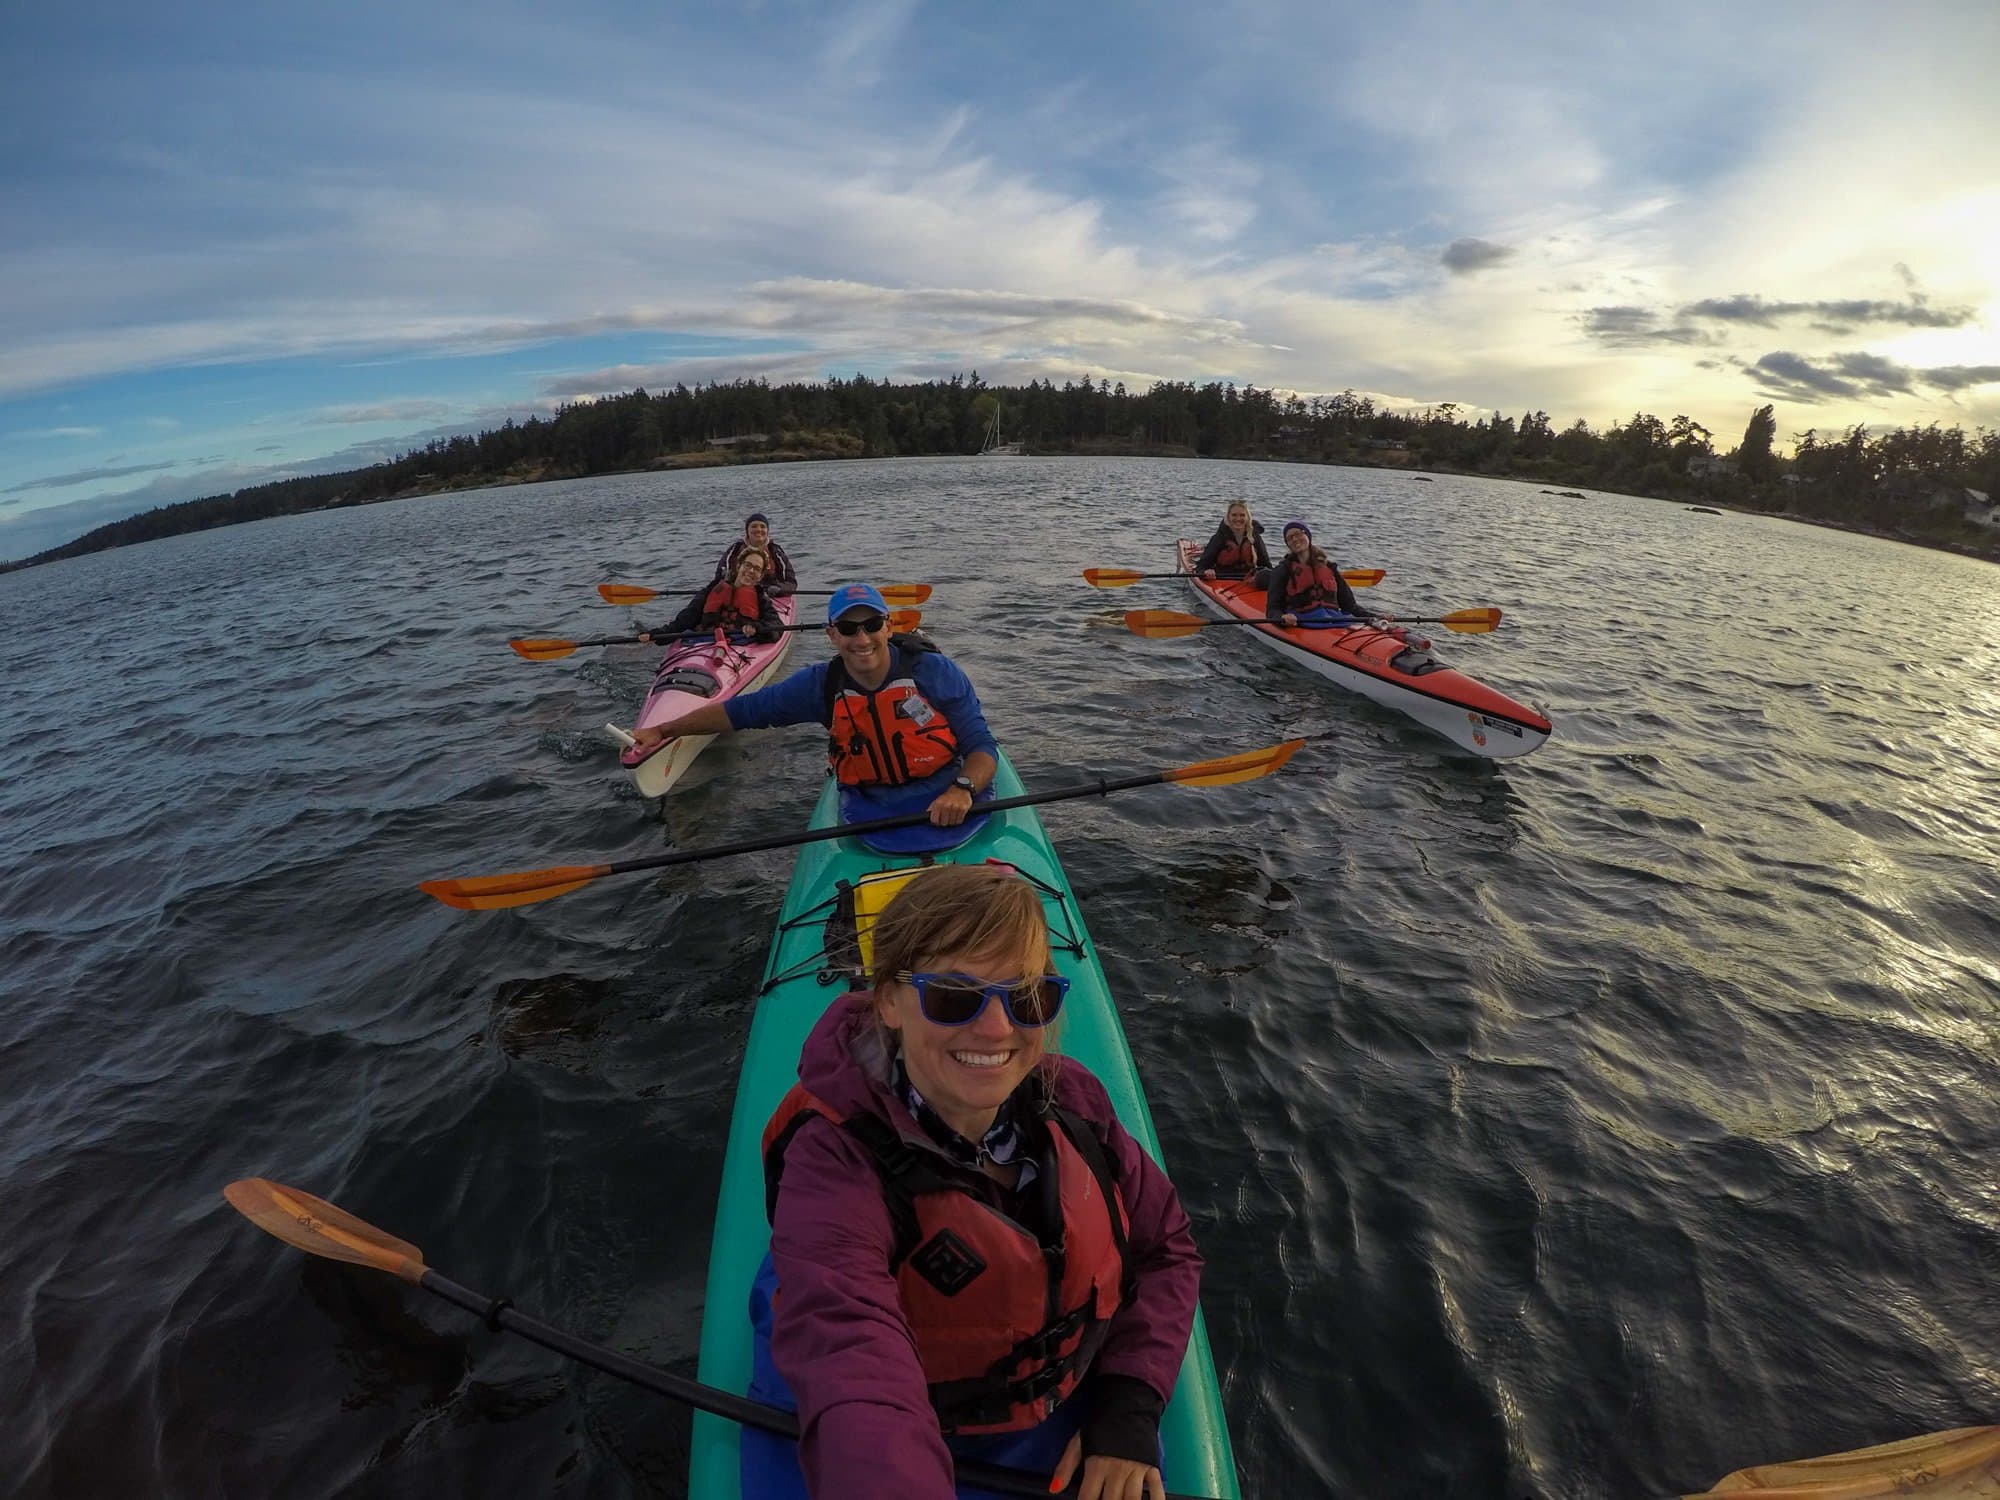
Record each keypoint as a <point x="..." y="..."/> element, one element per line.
<point x="975" y="1257"/>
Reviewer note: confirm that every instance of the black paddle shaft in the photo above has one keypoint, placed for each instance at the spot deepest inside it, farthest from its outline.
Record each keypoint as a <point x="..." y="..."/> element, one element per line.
<point x="879" y="825"/>
<point x="500" y="1314"/>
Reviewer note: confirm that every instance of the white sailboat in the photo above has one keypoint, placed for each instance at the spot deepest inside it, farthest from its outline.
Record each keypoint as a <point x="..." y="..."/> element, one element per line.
<point x="993" y="447"/>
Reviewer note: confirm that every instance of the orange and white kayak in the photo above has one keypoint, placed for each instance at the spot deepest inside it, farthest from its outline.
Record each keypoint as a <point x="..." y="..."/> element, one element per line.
<point x="1380" y="664"/>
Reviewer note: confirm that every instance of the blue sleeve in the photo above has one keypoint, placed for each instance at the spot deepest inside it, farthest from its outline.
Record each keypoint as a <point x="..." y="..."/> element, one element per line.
<point x="799" y="699"/>
<point x="940" y="680"/>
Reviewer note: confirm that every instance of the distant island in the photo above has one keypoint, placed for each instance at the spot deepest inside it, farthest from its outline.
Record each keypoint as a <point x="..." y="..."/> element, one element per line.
<point x="1926" y="485"/>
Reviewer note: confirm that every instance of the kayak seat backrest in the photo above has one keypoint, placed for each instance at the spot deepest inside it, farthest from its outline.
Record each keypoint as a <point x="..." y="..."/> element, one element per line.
<point x="686" y="680"/>
<point x="872" y="893"/>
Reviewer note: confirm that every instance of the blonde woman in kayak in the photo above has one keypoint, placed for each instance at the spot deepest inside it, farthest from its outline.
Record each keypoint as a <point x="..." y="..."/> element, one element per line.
<point x="1237" y="548"/>
<point x="931" y="1156"/>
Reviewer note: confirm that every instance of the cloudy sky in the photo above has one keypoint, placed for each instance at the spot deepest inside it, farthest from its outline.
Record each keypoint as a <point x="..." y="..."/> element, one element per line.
<point x="239" y="241"/>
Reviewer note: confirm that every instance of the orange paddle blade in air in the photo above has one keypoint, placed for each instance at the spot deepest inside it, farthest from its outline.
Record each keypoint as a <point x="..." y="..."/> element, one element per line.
<point x="319" y="1228"/>
<point x="1162" y="624"/>
<point x="1963" y="1464"/>
<point x="625" y="593"/>
<point x="1363" y="578"/>
<point x="1471" y="621"/>
<point x="543" y="650"/>
<point x="1231" y="769"/>
<point x="905" y="593"/>
<point x="1112" y="578"/>
<point x="523" y="888"/>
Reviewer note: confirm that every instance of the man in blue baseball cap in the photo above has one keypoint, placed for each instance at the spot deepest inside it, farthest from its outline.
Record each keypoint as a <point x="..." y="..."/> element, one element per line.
<point x="905" y="732"/>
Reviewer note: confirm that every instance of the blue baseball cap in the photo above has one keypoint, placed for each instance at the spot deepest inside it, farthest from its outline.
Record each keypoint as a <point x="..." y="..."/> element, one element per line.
<point x="855" y="596"/>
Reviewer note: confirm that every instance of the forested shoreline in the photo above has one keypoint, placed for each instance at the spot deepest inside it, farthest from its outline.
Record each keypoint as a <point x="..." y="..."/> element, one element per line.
<point x="1909" y="483"/>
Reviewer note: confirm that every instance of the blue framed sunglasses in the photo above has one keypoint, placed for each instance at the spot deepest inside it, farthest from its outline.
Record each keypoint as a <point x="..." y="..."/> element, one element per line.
<point x="960" y="999"/>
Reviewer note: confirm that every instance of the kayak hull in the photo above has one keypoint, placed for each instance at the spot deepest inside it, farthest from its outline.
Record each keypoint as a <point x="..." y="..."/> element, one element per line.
<point x="800" y="981"/>
<point x="1370" y="662"/>
<point x="677" y="689"/>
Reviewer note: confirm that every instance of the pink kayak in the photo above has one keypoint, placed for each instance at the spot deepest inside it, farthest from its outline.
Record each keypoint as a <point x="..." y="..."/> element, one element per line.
<point x="691" y="675"/>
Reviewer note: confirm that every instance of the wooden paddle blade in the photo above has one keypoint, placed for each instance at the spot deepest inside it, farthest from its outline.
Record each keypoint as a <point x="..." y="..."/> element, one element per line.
<point x="1963" y="1464"/>
<point x="1234" y="768"/>
<point x="1161" y="624"/>
<point x="535" y="650"/>
<point x="905" y="593"/>
<point x="1471" y="621"/>
<point x="625" y="593"/>
<point x="319" y="1228"/>
<point x="1363" y="578"/>
<point x="1112" y="578"/>
<point x="523" y="888"/>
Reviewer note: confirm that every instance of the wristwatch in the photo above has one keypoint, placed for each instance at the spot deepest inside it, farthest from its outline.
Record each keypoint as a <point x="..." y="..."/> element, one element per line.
<point x="966" y="783"/>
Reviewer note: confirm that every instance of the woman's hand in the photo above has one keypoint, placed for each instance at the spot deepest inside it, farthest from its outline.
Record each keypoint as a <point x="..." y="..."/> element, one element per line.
<point x="1209" y="574"/>
<point x="645" y="638"/>
<point x="1107" y="1478"/>
<point x="1289" y="621"/>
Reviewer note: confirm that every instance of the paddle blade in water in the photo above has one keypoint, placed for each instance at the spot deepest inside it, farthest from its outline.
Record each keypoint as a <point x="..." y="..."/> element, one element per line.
<point x="523" y="888"/>
<point x="1963" y="1464"/>
<point x="1112" y="578"/>
<point x="1161" y="624"/>
<point x="625" y="593"/>
<point x="543" y="650"/>
<point x="1471" y="621"/>
<point x="905" y="593"/>
<point x="319" y="1228"/>
<point x="1234" y="768"/>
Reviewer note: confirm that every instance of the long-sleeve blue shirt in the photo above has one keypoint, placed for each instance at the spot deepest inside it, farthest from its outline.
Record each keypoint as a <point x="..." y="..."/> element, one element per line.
<point x="801" y="698"/>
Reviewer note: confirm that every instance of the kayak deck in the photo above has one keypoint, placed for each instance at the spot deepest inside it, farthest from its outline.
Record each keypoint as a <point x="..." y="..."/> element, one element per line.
<point x="1379" y="666"/>
<point x="801" y="978"/>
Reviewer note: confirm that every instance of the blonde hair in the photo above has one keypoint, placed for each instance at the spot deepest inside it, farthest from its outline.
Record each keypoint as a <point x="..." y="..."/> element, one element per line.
<point x="961" y="909"/>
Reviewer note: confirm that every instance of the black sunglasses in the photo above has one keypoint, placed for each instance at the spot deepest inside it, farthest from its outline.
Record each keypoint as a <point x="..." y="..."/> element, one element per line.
<point x="871" y="623"/>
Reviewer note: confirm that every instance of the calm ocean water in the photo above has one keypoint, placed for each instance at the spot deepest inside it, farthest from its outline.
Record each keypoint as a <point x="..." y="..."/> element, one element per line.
<point x="1587" y="1125"/>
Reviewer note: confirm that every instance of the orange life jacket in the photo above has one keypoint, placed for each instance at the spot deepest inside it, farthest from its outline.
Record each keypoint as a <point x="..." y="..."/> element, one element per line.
<point x="890" y="737"/>
<point x="1005" y="1326"/>
<point x="1237" y="557"/>
<point x="729" y="604"/>
<point x="1308" y="586"/>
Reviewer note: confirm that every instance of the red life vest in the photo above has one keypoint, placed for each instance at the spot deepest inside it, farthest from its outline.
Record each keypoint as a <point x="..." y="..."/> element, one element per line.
<point x="1237" y="557"/>
<point x="1309" y="586"/>
<point x="729" y="603"/>
<point x="1005" y="1326"/>
<point x="890" y="737"/>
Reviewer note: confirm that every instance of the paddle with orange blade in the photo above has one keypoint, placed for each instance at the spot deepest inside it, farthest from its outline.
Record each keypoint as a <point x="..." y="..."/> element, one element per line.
<point x="900" y="620"/>
<point x="631" y="593"/>
<point x="1120" y="578"/>
<point x="323" y="1229"/>
<point x="1166" y="624"/>
<point x="525" y="888"/>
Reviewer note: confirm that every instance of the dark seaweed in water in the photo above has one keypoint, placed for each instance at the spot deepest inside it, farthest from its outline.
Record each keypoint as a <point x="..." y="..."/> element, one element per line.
<point x="1586" y="1126"/>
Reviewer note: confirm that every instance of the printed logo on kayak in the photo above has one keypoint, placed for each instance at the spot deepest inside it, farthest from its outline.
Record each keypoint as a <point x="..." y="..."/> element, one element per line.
<point x="1491" y="723"/>
<point x="947" y="1263"/>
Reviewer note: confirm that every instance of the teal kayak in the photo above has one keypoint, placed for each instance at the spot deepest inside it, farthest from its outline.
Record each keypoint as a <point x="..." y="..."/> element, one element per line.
<point x="812" y="961"/>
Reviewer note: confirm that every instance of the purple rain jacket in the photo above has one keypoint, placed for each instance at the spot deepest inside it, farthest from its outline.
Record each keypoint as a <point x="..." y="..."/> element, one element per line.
<point x="839" y="1336"/>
